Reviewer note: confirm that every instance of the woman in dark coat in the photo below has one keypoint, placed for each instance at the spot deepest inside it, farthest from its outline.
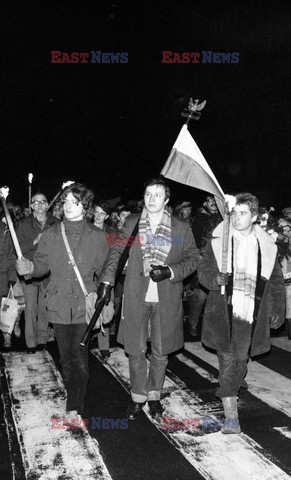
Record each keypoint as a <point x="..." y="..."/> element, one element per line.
<point x="65" y="299"/>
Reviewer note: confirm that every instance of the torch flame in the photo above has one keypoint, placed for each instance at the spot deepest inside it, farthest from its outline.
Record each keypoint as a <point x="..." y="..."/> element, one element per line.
<point x="30" y="177"/>
<point x="4" y="192"/>
<point x="67" y="184"/>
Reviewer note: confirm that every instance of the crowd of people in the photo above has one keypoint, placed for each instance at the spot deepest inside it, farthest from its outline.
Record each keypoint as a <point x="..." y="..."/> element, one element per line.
<point x="172" y="257"/>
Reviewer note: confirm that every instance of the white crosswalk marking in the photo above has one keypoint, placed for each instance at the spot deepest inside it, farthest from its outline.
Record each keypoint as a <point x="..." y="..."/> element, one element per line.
<point x="215" y="456"/>
<point x="268" y="386"/>
<point x="37" y="393"/>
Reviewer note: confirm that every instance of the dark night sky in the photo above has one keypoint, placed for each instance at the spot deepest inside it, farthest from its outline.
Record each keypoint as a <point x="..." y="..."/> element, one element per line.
<point x="112" y="126"/>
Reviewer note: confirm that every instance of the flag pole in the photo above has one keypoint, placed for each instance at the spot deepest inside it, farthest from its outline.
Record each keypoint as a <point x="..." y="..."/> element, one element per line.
<point x="225" y="239"/>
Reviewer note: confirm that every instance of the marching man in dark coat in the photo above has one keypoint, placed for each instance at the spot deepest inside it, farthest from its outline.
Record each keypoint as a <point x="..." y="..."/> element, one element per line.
<point x="237" y="324"/>
<point x="162" y="254"/>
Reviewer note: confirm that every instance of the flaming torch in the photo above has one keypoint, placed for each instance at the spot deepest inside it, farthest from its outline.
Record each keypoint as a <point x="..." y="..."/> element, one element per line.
<point x="30" y="177"/>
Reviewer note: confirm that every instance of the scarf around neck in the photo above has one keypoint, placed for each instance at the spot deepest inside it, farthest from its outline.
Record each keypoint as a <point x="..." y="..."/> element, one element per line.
<point x="154" y="247"/>
<point x="245" y="262"/>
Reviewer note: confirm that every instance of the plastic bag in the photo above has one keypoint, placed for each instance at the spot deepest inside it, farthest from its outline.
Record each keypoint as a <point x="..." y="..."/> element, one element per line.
<point x="8" y="313"/>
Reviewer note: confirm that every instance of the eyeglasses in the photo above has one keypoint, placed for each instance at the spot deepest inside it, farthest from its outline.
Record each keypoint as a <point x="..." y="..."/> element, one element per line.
<point x="39" y="202"/>
<point x="75" y="203"/>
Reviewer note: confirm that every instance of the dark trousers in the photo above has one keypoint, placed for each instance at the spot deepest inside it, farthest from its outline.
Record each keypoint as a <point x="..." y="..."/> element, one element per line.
<point x="74" y="363"/>
<point x="233" y="361"/>
<point x="148" y="385"/>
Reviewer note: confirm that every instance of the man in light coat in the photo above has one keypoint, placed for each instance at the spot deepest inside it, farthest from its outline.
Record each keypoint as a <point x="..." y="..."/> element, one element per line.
<point x="237" y="324"/>
<point x="162" y="254"/>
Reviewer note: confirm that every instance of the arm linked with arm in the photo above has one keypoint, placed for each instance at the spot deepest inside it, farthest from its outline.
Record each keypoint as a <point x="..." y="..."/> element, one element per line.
<point x="208" y="269"/>
<point x="190" y="257"/>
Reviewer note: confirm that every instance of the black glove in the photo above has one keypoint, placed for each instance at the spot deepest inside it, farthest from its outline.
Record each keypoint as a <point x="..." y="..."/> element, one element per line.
<point x="11" y="283"/>
<point x="103" y="291"/>
<point x="159" y="273"/>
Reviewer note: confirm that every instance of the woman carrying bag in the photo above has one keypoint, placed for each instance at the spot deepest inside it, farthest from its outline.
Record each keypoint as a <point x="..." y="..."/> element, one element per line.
<point x="65" y="298"/>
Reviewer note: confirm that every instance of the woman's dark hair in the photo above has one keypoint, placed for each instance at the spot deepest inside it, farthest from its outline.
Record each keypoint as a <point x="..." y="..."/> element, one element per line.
<point x="81" y="193"/>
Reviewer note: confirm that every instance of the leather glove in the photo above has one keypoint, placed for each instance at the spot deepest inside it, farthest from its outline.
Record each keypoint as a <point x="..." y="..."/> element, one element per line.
<point x="11" y="283"/>
<point x="275" y="321"/>
<point x="103" y="291"/>
<point x="159" y="273"/>
<point x="24" y="266"/>
<point x="222" y="278"/>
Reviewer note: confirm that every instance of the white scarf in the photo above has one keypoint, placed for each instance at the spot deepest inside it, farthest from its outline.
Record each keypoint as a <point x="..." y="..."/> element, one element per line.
<point x="242" y="307"/>
<point x="245" y="262"/>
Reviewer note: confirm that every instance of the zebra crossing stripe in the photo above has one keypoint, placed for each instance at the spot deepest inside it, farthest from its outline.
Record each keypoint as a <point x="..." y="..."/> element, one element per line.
<point x="214" y="455"/>
<point x="37" y="394"/>
<point x="268" y="386"/>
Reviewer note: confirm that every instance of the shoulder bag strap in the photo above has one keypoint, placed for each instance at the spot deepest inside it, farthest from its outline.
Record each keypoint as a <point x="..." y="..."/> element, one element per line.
<point x="72" y="260"/>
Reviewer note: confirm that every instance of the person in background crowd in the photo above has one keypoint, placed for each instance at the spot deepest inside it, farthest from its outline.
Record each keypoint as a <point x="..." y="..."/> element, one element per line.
<point x="18" y="215"/>
<point x="153" y="294"/>
<point x="25" y="210"/>
<point x="287" y="214"/>
<point x="123" y="212"/>
<point x="237" y="323"/>
<point x="29" y="232"/>
<point x="101" y="212"/>
<point x="183" y="211"/>
<point x="113" y="217"/>
<point x="285" y="226"/>
<point x="65" y="300"/>
<point x="206" y="219"/>
<point x="8" y="274"/>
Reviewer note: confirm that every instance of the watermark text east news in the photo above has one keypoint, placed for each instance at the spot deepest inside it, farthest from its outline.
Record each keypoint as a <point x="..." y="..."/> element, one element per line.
<point x="88" y="57"/>
<point x="199" y="57"/>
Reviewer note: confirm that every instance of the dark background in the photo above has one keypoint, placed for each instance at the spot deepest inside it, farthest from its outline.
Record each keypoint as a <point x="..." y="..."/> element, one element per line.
<point x="112" y="126"/>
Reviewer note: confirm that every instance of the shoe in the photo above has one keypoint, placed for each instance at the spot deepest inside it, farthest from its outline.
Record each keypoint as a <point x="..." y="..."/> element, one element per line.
<point x="105" y="354"/>
<point x="156" y="409"/>
<point x="231" y="424"/>
<point x="17" y="330"/>
<point x="31" y="350"/>
<point x="134" y="410"/>
<point x="41" y="347"/>
<point x="7" y="341"/>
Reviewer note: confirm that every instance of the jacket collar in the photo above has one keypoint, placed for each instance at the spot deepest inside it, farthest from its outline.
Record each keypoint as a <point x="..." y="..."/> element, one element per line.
<point x="266" y="244"/>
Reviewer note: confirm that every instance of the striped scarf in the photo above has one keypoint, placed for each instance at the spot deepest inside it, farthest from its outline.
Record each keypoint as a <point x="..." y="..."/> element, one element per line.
<point x="155" y="248"/>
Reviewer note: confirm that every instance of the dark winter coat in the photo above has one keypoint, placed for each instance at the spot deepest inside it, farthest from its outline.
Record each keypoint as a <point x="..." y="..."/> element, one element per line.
<point x="269" y="299"/>
<point x="65" y="300"/>
<point x="183" y="261"/>
<point x="7" y="260"/>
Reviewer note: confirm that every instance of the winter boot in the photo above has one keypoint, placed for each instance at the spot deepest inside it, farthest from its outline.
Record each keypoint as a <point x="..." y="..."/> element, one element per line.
<point x="231" y="423"/>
